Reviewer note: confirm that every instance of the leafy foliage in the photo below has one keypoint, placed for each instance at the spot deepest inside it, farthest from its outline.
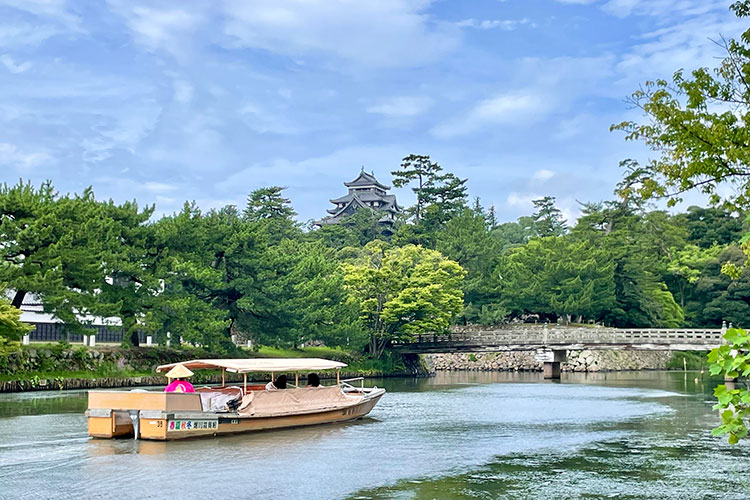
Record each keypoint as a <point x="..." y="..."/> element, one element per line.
<point x="557" y="277"/>
<point x="548" y="219"/>
<point x="700" y="126"/>
<point x="403" y="291"/>
<point x="11" y="327"/>
<point x="424" y="171"/>
<point x="54" y="247"/>
<point x="732" y="360"/>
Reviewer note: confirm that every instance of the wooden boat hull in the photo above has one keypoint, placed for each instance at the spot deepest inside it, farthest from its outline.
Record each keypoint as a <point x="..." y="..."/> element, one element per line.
<point x="184" y="421"/>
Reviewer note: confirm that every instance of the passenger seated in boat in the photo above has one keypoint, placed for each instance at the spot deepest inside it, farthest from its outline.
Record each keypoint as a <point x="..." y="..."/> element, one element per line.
<point x="313" y="380"/>
<point x="179" y="373"/>
<point x="279" y="383"/>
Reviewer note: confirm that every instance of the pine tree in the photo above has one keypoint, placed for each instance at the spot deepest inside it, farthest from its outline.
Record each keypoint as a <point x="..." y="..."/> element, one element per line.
<point x="416" y="168"/>
<point x="548" y="219"/>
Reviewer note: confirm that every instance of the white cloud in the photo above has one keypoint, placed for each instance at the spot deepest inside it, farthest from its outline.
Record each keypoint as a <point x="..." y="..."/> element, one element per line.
<point x="624" y="8"/>
<point x="578" y="125"/>
<point x="56" y="10"/>
<point x="681" y="45"/>
<point x="168" y="29"/>
<point x="401" y="106"/>
<point x="544" y="87"/>
<point x="12" y="66"/>
<point x="508" y="107"/>
<point x="488" y="24"/>
<point x="520" y="200"/>
<point x="196" y="142"/>
<point x="522" y="203"/>
<point x="11" y="156"/>
<point x="543" y="175"/>
<point x="384" y="33"/>
<point x="25" y="35"/>
<point x="119" y="128"/>
<point x="313" y="181"/>
<point x="505" y="109"/>
<point x="159" y="187"/>
<point x="264" y="121"/>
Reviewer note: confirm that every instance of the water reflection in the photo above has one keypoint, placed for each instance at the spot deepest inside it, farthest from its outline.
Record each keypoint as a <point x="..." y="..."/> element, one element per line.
<point x="457" y="435"/>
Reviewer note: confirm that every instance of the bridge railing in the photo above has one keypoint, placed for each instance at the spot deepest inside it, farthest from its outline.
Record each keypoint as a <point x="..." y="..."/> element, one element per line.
<point x="552" y="336"/>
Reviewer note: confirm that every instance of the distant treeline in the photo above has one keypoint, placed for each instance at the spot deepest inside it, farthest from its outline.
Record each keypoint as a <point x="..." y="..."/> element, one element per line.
<point x="255" y="272"/>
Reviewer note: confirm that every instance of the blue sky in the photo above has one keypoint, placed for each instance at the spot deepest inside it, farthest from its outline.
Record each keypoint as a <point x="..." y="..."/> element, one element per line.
<point x="188" y="100"/>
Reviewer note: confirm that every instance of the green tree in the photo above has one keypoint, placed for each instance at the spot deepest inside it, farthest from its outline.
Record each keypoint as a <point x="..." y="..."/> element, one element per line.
<point x="306" y="300"/>
<point x="11" y="326"/>
<point x="354" y="231"/>
<point x="732" y="360"/>
<point x="419" y="168"/>
<point x="641" y="245"/>
<point x="269" y="211"/>
<point x="712" y="226"/>
<point x="548" y="219"/>
<point x="558" y="278"/>
<point x="198" y="300"/>
<point x="56" y="247"/>
<point x="444" y="197"/>
<point x="513" y="234"/>
<point x="440" y="196"/>
<point x="403" y="291"/>
<point x="491" y="218"/>
<point x="716" y="297"/>
<point x="132" y="282"/>
<point x="467" y="240"/>
<point x="687" y="266"/>
<point x="700" y="127"/>
<point x="268" y="203"/>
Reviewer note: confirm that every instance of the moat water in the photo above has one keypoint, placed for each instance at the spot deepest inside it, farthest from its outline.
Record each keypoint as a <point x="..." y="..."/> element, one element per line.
<point x="458" y="435"/>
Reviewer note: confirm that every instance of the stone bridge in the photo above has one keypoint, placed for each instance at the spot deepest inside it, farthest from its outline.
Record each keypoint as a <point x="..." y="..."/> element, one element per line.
<point x="551" y="343"/>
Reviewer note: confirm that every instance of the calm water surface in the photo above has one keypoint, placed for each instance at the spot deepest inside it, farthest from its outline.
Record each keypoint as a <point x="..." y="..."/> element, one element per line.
<point x="458" y="435"/>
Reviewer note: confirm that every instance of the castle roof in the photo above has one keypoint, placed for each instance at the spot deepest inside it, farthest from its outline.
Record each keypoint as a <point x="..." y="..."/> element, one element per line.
<point x="364" y="180"/>
<point x="364" y="192"/>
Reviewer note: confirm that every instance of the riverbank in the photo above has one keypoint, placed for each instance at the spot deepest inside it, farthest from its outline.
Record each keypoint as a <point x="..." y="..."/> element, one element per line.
<point x="45" y="367"/>
<point x="59" y="367"/>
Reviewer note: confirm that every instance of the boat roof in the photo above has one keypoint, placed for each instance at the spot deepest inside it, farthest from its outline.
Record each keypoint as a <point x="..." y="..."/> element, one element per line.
<point x="255" y="365"/>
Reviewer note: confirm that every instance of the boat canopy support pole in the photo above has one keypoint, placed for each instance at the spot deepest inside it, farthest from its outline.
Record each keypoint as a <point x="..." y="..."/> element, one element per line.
<point x="244" y="382"/>
<point x="338" y="376"/>
<point x="223" y="375"/>
<point x="296" y="379"/>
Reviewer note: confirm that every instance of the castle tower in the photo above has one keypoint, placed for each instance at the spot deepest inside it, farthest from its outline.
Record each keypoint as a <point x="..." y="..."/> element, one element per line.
<point x="364" y="192"/>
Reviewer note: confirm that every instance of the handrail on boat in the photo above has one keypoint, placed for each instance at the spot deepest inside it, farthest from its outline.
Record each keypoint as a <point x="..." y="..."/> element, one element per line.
<point x="346" y="381"/>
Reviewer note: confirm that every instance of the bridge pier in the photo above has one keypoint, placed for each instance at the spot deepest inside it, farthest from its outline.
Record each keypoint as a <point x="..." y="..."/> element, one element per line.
<point x="552" y="361"/>
<point x="551" y="370"/>
<point x="730" y="383"/>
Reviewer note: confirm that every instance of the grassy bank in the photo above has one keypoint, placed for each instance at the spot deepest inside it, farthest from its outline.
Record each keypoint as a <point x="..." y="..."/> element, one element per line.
<point x="692" y="360"/>
<point x="53" y="366"/>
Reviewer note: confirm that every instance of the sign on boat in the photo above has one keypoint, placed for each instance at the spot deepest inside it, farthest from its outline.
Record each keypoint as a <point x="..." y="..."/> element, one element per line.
<point x="229" y="409"/>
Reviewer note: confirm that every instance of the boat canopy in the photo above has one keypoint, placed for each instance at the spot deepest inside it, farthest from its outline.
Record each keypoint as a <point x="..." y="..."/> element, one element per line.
<point x="257" y="365"/>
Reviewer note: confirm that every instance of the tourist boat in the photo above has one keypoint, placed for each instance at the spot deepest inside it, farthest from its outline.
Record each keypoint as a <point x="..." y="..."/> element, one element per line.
<point x="230" y="409"/>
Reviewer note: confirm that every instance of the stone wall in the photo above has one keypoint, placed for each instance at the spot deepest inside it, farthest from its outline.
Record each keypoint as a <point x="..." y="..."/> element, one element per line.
<point x="578" y="361"/>
<point x="79" y="358"/>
